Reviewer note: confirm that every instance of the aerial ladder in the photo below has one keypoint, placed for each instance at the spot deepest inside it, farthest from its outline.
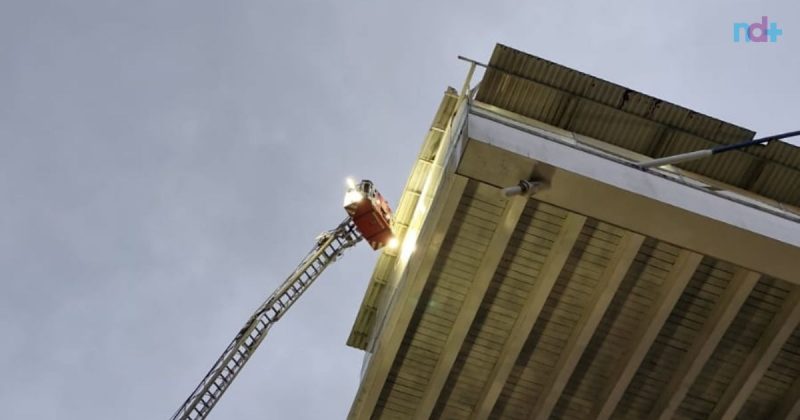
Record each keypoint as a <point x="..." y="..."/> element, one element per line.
<point x="369" y="217"/>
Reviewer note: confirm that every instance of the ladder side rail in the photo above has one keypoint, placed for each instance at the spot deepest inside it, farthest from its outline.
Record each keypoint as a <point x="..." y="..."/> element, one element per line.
<point x="328" y="248"/>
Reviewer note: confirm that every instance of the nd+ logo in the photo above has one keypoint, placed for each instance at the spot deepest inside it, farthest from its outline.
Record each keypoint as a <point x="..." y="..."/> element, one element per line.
<point x="757" y="32"/>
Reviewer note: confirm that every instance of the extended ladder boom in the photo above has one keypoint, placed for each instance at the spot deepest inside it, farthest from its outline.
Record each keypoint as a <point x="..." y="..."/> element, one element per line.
<point x="330" y="245"/>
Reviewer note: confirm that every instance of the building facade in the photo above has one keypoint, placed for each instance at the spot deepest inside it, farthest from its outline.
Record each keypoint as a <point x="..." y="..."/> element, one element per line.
<point x="606" y="290"/>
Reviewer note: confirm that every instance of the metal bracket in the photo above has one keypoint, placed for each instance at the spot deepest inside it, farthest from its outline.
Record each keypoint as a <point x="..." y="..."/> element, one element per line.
<point x="525" y="187"/>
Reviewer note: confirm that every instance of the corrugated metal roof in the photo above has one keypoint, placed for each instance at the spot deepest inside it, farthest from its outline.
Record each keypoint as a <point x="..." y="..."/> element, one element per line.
<point x="575" y="101"/>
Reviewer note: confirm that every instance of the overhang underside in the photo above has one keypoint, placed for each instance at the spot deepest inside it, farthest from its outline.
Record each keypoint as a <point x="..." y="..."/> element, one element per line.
<point x="581" y="319"/>
<point x="617" y="299"/>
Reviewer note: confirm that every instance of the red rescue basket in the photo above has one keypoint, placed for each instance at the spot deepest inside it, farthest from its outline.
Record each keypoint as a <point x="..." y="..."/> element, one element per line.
<point x="370" y="213"/>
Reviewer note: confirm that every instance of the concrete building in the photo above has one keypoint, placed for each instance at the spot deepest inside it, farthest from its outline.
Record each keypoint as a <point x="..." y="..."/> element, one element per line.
<point x="611" y="291"/>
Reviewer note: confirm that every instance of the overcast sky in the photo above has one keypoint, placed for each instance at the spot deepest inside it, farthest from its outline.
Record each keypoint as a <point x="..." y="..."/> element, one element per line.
<point x="165" y="164"/>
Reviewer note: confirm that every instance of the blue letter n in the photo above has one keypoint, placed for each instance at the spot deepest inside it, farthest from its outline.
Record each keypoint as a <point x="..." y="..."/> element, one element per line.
<point x="737" y="27"/>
